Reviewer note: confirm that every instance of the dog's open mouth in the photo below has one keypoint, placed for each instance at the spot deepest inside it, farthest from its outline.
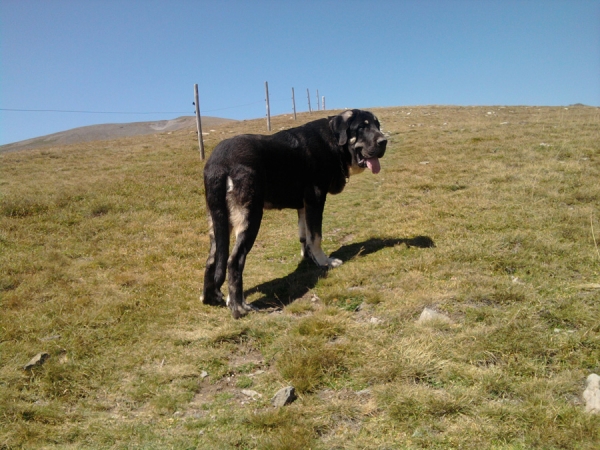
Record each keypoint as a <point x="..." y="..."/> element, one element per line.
<point x="371" y="163"/>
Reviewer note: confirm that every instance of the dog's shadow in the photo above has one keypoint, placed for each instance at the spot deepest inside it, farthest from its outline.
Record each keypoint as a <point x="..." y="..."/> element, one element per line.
<point x="282" y="291"/>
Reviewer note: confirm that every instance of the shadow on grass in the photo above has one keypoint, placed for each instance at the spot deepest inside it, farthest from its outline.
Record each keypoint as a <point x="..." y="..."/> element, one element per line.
<point x="283" y="291"/>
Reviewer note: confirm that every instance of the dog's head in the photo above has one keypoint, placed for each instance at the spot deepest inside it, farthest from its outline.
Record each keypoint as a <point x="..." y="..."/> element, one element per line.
<point x="360" y="132"/>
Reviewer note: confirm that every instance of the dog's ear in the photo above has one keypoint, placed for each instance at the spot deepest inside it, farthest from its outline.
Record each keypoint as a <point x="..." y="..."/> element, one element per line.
<point x="339" y="124"/>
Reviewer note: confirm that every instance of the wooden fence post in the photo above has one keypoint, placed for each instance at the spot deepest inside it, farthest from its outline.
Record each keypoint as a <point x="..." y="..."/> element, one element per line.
<point x="318" y="100"/>
<point x="294" y="103"/>
<point x="308" y="95"/>
<point x="323" y="103"/>
<point x="268" y="107"/>
<point x="198" y="122"/>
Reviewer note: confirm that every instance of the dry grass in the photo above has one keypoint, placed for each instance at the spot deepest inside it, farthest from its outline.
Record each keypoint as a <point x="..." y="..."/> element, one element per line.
<point x="102" y="250"/>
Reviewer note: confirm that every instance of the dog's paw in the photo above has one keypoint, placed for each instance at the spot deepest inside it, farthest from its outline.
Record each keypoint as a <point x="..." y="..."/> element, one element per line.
<point x="334" y="262"/>
<point x="216" y="300"/>
<point x="249" y="307"/>
<point x="239" y="310"/>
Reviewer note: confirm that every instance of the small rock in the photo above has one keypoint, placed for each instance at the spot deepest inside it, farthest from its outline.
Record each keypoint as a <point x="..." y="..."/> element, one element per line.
<point x="284" y="396"/>
<point x="258" y="372"/>
<point x="364" y="392"/>
<point x="252" y="394"/>
<point x="375" y="321"/>
<point x="50" y="338"/>
<point x="203" y="374"/>
<point x="429" y="315"/>
<point x="558" y="330"/>
<point x="591" y="395"/>
<point x="37" y="360"/>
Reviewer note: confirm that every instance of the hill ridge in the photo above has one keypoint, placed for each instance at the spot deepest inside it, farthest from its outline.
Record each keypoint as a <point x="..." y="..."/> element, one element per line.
<point x="110" y="131"/>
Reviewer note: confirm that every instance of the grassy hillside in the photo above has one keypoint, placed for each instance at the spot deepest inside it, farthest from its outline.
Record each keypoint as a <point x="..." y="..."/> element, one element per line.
<point x="102" y="250"/>
<point x="110" y="131"/>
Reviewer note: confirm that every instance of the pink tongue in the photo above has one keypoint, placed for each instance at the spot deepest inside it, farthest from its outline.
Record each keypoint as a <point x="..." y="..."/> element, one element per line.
<point x="373" y="165"/>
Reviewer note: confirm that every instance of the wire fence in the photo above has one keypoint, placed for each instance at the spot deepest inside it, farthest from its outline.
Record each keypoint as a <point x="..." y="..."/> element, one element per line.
<point x="277" y="100"/>
<point x="77" y="111"/>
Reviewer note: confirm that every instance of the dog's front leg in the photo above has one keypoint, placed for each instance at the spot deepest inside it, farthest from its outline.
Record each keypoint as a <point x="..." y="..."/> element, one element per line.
<point x="304" y="251"/>
<point x="310" y="219"/>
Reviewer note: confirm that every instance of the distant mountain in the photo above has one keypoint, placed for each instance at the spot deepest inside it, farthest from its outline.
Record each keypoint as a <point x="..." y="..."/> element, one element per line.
<point x="110" y="131"/>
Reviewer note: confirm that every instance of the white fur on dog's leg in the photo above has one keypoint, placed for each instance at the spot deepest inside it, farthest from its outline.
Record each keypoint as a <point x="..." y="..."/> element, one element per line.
<point x="334" y="262"/>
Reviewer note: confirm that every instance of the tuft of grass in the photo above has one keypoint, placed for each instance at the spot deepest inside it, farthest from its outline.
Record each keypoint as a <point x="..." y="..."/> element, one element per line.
<point x="348" y="303"/>
<point x="421" y="403"/>
<point x="308" y="363"/>
<point x="300" y="307"/>
<point x="282" y="430"/>
<point x="22" y="207"/>
<point x="320" y="325"/>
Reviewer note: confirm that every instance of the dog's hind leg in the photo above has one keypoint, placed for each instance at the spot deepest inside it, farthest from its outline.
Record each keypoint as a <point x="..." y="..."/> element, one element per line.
<point x="304" y="252"/>
<point x="245" y="212"/>
<point x="219" y="230"/>
<point x="211" y="294"/>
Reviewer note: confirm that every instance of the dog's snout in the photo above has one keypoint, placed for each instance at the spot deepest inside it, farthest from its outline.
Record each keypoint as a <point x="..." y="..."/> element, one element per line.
<point x="381" y="144"/>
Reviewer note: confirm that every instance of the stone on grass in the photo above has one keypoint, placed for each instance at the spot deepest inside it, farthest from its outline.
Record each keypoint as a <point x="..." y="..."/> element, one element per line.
<point x="429" y="315"/>
<point x="37" y="360"/>
<point x="284" y="396"/>
<point x="591" y="395"/>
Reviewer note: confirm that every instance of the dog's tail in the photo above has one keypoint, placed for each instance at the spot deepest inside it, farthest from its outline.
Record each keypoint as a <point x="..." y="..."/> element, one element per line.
<point x="215" y="188"/>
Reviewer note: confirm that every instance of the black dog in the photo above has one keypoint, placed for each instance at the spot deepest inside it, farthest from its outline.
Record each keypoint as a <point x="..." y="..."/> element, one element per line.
<point x="295" y="168"/>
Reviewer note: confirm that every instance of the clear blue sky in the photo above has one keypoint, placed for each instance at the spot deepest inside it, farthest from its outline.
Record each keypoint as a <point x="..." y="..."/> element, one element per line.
<point x="145" y="56"/>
